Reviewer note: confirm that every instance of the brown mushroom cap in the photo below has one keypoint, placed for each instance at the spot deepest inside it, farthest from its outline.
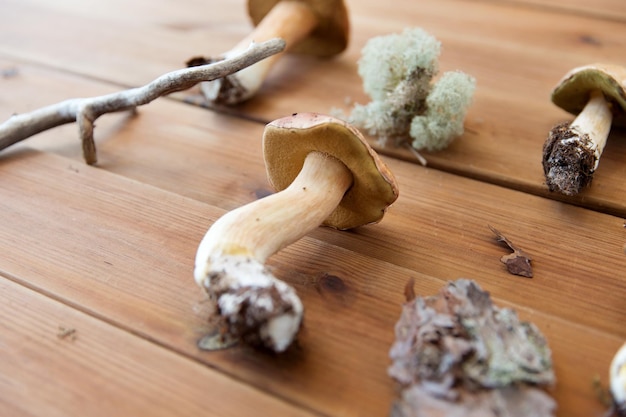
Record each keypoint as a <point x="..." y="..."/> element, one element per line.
<point x="572" y="92"/>
<point x="330" y="36"/>
<point x="287" y="142"/>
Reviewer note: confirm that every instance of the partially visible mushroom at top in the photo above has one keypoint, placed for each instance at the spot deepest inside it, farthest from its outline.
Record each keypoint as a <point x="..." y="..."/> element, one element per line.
<point x="325" y="174"/>
<point x="314" y="27"/>
<point x="571" y="154"/>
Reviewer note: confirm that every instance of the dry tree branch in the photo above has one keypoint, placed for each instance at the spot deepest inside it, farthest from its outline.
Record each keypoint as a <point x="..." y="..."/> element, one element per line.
<point x="85" y="111"/>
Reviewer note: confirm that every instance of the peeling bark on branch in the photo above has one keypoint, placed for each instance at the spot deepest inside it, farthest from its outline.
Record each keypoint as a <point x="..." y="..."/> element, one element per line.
<point x="85" y="111"/>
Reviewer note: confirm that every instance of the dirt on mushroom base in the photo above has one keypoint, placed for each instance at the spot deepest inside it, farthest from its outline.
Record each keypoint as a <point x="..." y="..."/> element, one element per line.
<point x="569" y="160"/>
<point x="456" y="354"/>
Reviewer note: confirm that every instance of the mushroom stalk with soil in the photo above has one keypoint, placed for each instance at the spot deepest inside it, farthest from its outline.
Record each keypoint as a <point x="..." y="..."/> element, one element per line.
<point x="327" y="175"/>
<point x="314" y="27"/>
<point x="572" y="151"/>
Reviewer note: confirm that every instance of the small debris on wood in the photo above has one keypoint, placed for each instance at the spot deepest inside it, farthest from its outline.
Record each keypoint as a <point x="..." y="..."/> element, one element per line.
<point x="456" y="354"/>
<point x="518" y="262"/>
<point x="9" y="72"/>
<point x="216" y="340"/>
<point x="66" y="333"/>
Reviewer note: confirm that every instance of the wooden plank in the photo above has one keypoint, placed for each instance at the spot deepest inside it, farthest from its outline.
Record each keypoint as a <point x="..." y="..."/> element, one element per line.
<point x="516" y="62"/>
<point x="57" y="361"/>
<point x="218" y="159"/>
<point x="124" y="42"/>
<point x="124" y="141"/>
<point x="605" y="9"/>
<point x="96" y="233"/>
<point x="124" y="251"/>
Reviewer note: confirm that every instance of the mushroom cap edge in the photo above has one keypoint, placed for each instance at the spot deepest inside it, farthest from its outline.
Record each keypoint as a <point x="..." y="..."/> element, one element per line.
<point x="572" y="92"/>
<point x="374" y="186"/>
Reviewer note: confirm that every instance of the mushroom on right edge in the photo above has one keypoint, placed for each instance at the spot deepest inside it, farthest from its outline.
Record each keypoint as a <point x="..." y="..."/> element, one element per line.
<point x="597" y="95"/>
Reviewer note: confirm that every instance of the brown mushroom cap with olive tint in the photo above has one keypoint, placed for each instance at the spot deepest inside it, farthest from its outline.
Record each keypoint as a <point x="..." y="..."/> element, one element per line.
<point x="572" y="92"/>
<point x="331" y="34"/>
<point x="288" y="141"/>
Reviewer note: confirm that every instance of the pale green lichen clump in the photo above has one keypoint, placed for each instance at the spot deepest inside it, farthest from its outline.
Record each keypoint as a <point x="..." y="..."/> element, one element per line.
<point x="397" y="72"/>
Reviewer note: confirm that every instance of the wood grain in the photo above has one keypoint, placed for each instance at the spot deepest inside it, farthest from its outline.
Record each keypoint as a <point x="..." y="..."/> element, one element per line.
<point x="517" y="54"/>
<point x="123" y="250"/>
<point x="57" y="361"/>
<point x="231" y="163"/>
<point x="109" y="250"/>
<point x="605" y="9"/>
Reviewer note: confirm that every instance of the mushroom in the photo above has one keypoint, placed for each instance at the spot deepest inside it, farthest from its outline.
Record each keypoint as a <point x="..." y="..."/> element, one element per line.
<point x="325" y="174"/>
<point x="314" y="27"/>
<point x="571" y="154"/>
<point x="617" y="378"/>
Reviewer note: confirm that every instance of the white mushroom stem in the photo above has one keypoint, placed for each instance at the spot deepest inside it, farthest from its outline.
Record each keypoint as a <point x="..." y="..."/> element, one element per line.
<point x="291" y="21"/>
<point x="230" y="259"/>
<point x="595" y="121"/>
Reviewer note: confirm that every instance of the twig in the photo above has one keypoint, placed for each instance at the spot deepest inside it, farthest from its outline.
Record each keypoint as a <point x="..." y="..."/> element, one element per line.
<point x="417" y="155"/>
<point x="85" y="111"/>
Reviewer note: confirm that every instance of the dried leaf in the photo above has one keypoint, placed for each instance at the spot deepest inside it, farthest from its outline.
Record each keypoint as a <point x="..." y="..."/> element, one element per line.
<point x="456" y="354"/>
<point x="217" y="340"/>
<point x="518" y="262"/>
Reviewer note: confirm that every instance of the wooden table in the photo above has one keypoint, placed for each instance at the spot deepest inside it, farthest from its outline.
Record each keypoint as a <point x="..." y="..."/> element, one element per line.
<point x="100" y="313"/>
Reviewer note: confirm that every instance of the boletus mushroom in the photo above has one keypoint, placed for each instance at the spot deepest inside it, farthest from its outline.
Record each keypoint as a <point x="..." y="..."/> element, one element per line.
<point x="571" y="154"/>
<point x="325" y="173"/>
<point x="314" y="27"/>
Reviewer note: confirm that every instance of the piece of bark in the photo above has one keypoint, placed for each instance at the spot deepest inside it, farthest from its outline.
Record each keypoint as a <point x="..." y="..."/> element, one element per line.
<point x="518" y="262"/>
<point x="458" y="353"/>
